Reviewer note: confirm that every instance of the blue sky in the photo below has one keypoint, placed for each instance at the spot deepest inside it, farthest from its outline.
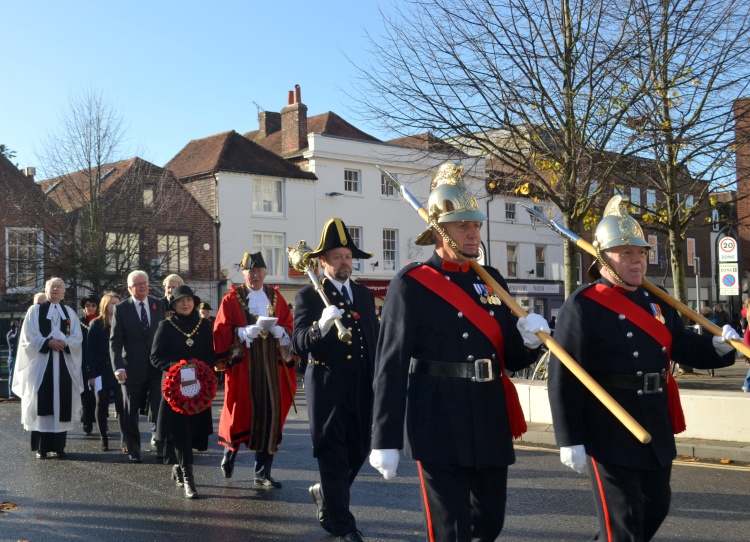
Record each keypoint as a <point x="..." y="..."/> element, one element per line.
<point x="176" y="70"/>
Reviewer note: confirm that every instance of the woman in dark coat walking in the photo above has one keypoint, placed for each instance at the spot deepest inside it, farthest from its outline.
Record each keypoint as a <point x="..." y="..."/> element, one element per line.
<point x="99" y="368"/>
<point x="184" y="335"/>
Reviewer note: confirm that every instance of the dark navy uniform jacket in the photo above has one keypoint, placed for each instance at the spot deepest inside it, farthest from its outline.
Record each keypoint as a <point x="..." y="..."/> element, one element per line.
<point x="448" y="420"/>
<point x="603" y="342"/>
<point x="339" y="376"/>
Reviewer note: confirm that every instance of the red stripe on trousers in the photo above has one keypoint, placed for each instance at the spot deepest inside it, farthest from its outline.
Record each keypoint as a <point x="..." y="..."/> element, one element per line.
<point x="428" y="516"/>
<point x="603" y="499"/>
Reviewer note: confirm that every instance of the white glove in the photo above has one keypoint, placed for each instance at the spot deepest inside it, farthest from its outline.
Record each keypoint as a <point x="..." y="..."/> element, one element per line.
<point x="277" y="332"/>
<point x="529" y="326"/>
<point x="248" y="333"/>
<point x="574" y="457"/>
<point x="330" y="314"/>
<point x="728" y="333"/>
<point x="385" y="461"/>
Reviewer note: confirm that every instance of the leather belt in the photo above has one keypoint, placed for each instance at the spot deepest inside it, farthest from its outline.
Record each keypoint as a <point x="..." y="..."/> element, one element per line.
<point x="643" y="383"/>
<point x="480" y="370"/>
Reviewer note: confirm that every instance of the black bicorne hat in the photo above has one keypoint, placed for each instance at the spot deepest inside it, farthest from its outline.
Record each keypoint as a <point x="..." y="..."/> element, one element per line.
<point x="335" y="235"/>
<point x="252" y="260"/>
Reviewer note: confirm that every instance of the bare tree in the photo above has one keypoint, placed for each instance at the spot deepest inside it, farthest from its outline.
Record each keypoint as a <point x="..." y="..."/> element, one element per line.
<point x="539" y="87"/>
<point x="693" y="57"/>
<point x="108" y="207"/>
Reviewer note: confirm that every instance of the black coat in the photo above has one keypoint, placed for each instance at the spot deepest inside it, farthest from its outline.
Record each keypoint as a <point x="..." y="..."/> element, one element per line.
<point x="97" y="354"/>
<point x="340" y="377"/>
<point x="130" y="346"/>
<point x="602" y="342"/>
<point x="170" y="347"/>
<point x="448" y="420"/>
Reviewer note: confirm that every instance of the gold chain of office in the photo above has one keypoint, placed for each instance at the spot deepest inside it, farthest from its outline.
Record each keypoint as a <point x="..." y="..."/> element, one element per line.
<point x="189" y="336"/>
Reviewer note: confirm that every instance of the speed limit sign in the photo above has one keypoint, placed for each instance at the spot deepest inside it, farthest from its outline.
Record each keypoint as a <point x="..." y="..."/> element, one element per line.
<point x="727" y="249"/>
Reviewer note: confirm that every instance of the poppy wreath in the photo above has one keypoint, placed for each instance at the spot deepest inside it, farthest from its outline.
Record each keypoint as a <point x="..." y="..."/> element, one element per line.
<point x="189" y="397"/>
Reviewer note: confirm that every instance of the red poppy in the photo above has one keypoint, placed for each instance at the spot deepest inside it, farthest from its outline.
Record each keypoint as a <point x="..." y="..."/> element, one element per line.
<point x="356" y="315"/>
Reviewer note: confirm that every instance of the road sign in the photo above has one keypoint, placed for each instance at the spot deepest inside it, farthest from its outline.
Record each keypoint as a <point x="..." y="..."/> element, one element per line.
<point x="729" y="280"/>
<point x="727" y="249"/>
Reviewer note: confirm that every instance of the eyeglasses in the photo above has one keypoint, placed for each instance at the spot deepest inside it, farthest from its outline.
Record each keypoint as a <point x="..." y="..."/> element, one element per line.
<point x="137" y="284"/>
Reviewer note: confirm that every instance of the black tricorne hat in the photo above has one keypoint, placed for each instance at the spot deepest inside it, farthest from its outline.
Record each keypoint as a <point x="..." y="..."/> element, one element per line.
<point x="183" y="291"/>
<point x="92" y="298"/>
<point x="252" y="260"/>
<point x="335" y="235"/>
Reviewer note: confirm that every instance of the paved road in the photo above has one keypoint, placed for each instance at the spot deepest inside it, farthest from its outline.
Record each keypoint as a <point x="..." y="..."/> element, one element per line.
<point x="95" y="496"/>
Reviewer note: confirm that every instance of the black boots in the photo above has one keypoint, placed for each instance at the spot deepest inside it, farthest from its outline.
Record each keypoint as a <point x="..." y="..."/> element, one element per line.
<point x="177" y="476"/>
<point x="189" y="482"/>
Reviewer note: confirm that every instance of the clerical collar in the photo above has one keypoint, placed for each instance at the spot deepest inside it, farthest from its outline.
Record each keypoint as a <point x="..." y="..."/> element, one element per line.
<point x="54" y="308"/>
<point x="448" y="265"/>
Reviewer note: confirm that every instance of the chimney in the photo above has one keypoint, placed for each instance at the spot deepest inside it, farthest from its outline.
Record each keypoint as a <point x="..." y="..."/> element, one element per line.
<point x="269" y="123"/>
<point x="29" y="172"/>
<point x="293" y="123"/>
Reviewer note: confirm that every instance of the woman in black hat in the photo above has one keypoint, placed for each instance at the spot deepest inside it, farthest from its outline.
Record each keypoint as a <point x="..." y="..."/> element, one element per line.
<point x="90" y="306"/>
<point x="183" y="336"/>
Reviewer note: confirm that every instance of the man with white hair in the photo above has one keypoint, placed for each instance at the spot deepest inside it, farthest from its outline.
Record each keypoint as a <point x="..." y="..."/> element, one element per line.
<point x="48" y="372"/>
<point x="134" y="324"/>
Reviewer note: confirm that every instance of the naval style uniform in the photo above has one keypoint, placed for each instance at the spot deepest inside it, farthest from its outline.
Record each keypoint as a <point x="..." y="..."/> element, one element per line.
<point x="338" y="385"/>
<point x="433" y="372"/>
<point x="625" y="341"/>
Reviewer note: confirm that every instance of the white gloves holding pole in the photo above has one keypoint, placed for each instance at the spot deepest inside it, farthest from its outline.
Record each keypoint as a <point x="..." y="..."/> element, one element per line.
<point x="330" y="313"/>
<point x="385" y="461"/>
<point x="728" y="333"/>
<point x="529" y="326"/>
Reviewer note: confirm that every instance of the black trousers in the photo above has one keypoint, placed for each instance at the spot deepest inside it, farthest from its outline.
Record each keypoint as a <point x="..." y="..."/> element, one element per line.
<point x="131" y="410"/>
<point x="631" y="504"/>
<point x="102" y="411"/>
<point x="463" y="504"/>
<point x="45" y="443"/>
<point x="88" y="402"/>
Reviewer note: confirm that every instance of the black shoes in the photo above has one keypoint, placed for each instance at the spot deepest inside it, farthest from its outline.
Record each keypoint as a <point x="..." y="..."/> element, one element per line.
<point x="61" y="455"/>
<point x="227" y="467"/>
<point x="88" y="428"/>
<point x="267" y="482"/>
<point x="134" y="459"/>
<point x="40" y="455"/>
<point x="105" y="444"/>
<point x="354" y="536"/>
<point x="177" y="476"/>
<point x="317" y="497"/>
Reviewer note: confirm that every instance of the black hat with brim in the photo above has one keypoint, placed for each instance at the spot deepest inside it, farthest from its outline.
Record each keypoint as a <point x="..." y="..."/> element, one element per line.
<point x="204" y="307"/>
<point x="90" y="298"/>
<point x="183" y="291"/>
<point x="335" y="235"/>
<point x="250" y="260"/>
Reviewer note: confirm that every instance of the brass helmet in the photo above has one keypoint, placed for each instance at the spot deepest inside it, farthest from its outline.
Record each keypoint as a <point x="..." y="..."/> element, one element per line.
<point x="449" y="201"/>
<point x="616" y="228"/>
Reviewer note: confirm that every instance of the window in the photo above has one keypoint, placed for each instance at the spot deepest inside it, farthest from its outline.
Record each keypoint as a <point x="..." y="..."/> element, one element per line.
<point x="123" y="252"/>
<point x="268" y="196"/>
<point x="148" y="196"/>
<point x="174" y="253"/>
<point x="539" y="209"/>
<point x="653" y="254"/>
<point x="351" y="181"/>
<point x="386" y="188"/>
<point x="635" y="199"/>
<point x="651" y="199"/>
<point x="272" y="246"/>
<point x="689" y="202"/>
<point x="510" y="212"/>
<point x="540" y="262"/>
<point x="512" y="251"/>
<point x="390" y="250"/>
<point x="691" y="251"/>
<point x="24" y="253"/>
<point x="593" y="187"/>
<point x="356" y="233"/>
<point x="618" y="191"/>
<point x="715" y="225"/>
